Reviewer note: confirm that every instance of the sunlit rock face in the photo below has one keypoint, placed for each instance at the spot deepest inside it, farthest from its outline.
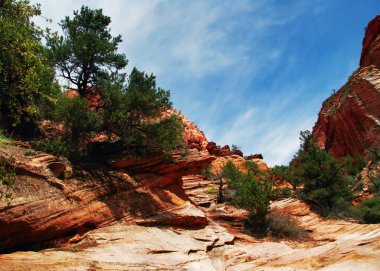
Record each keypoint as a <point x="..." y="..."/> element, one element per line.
<point x="54" y="200"/>
<point x="349" y="121"/>
<point x="371" y="44"/>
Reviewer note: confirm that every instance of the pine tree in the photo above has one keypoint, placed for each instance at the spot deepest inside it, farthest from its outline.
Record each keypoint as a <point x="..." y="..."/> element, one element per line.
<point x="87" y="51"/>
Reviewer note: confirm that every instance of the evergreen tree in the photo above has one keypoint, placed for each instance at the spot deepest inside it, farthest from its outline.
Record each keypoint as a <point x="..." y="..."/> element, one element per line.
<point x="325" y="183"/>
<point x="87" y="56"/>
<point x="87" y="51"/>
<point x="135" y="113"/>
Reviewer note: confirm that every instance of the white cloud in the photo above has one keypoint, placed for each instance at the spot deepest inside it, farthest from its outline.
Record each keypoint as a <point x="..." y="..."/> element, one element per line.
<point x="208" y="53"/>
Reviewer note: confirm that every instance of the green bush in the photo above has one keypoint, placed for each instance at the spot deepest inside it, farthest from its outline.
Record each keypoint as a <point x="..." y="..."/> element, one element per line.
<point x="52" y="146"/>
<point x="369" y="210"/>
<point x="206" y="172"/>
<point x="78" y="117"/>
<point x="7" y="180"/>
<point x="211" y="190"/>
<point x="29" y="153"/>
<point x="253" y="192"/>
<point x="285" y="173"/>
<point x="280" y="193"/>
<point x="235" y="148"/>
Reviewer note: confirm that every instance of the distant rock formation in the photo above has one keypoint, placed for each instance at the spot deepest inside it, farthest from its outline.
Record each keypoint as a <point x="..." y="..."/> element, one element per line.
<point x="349" y="121"/>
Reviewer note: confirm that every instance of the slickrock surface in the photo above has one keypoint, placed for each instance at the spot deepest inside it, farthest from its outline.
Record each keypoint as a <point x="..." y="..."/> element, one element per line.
<point x="127" y="247"/>
<point x="333" y="245"/>
<point x="349" y="121"/>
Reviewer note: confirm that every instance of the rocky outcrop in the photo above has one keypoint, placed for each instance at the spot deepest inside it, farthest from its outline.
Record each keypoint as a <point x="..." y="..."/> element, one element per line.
<point x="332" y="245"/>
<point x="349" y="121"/>
<point x="204" y="191"/>
<point x="52" y="199"/>
<point x="128" y="247"/>
<point x="371" y="44"/>
<point x="224" y="151"/>
<point x="194" y="137"/>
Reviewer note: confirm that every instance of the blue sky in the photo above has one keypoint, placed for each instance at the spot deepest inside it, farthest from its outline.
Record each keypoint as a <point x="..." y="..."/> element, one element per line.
<point x="250" y="73"/>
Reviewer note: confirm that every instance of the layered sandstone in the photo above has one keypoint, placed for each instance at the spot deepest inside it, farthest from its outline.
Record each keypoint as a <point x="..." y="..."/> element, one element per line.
<point x="52" y="199"/>
<point x="349" y="121"/>
<point x="332" y="245"/>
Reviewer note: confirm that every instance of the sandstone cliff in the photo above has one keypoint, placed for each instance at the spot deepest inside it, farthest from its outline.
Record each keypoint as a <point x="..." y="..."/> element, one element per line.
<point x="52" y="200"/>
<point x="349" y="121"/>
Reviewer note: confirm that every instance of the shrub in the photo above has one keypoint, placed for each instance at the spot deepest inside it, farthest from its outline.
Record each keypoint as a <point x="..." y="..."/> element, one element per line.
<point x="55" y="147"/>
<point x="3" y="137"/>
<point x="235" y="148"/>
<point x="7" y="179"/>
<point x="282" y="225"/>
<point x="206" y="172"/>
<point x="253" y="192"/>
<point x="285" y="173"/>
<point x="369" y="210"/>
<point x="29" y="153"/>
<point x="280" y="193"/>
<point x="78" y="116"/>
<point x="211" y="190"/>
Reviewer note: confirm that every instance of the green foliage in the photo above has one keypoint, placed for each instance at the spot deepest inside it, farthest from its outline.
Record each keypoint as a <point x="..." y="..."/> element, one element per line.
<point x="26" y="74"/>
<point x="55" y="147"/>
<point x="3" y="137"/>
<point x="326" y="181"/>
<point x="135" y="112"/>
<point x="282" y="225"/>
<point x="375" y="182"/>
<point x="374" y="153"/>
<point x="280" y="193"/>
<point x="211" y="190"/>
<point x="206" y="173"/>
<point x="87" y="51"/>
<point x="352" y="166"/>
<point x="7" y="180"/>
<point x="284" y="173"/>
<point x="86" y="55"/>
<point x="235" y="147"/>
<point x="78" y="116"/>
<point x="231" y="172"/>
<point x="252" y="167"/>
<point x="369" y="210"/>
<point x="30" y="153"/>
<point x="253" y="191"/>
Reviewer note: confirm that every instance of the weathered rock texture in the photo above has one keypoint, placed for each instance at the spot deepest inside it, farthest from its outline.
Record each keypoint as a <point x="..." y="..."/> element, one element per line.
<point x="371" y="44"/>
<point x="52" y="200"/>
<point x="349" y="121"/>
<point x="333" y="245"/>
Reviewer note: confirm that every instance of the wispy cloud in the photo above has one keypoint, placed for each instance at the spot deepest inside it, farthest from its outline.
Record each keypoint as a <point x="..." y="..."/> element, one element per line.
<point x="237" y="68"/>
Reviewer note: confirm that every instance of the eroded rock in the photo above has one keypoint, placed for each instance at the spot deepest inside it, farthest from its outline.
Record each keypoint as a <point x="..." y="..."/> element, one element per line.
<point x="349" y="121"/>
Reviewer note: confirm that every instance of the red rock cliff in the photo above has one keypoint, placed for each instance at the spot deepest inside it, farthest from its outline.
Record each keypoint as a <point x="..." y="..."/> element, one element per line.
<point x="349" y="121"/>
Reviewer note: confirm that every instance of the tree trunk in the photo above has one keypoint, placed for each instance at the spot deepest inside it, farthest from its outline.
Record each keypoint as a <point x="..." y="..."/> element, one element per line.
<point x="220" y="192"/>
